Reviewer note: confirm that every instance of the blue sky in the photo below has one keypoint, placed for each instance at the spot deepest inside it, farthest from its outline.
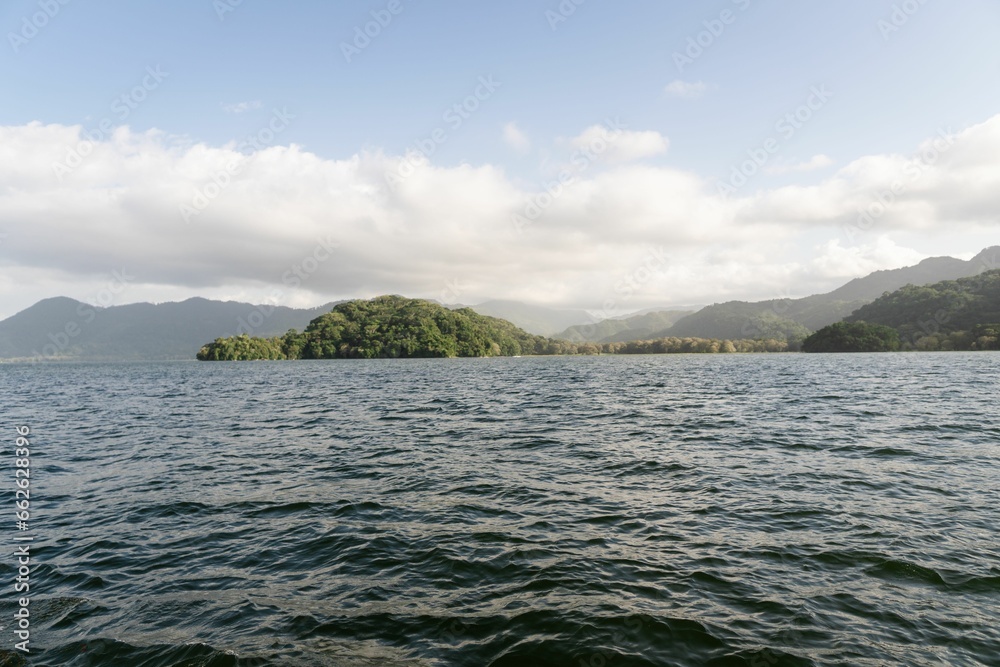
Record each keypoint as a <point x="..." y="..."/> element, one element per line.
<point x="228" y="65"/>
<point x="606" y="59"/>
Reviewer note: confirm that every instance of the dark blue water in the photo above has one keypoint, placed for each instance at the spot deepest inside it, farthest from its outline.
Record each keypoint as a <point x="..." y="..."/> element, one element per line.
<point x="594" y="512"/>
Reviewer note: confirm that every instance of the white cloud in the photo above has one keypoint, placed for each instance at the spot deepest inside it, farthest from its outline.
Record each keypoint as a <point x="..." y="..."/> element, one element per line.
<point x="120" y="209"/>
<point x="616" y="145"/>
<point x="515" y="138"/>
<point x="241" y="107"/>
<point x="951" y="181"/>
<point x="814" y="163"/>
<point x="837" y="261"/>
<point x="686" y="89"/>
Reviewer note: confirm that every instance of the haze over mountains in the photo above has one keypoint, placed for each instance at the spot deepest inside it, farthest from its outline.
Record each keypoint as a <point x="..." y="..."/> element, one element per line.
<point x="779" y="318"/>
<point x="62" y="328"/>
<point x="624" y="329"/>
<point x="538" y="320"/>
<point x="66" y="328"/>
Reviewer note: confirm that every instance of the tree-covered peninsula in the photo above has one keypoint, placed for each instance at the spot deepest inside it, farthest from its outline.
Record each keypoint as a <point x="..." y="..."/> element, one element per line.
<point x="390" y="327"/>
<point x="961" y="314"/>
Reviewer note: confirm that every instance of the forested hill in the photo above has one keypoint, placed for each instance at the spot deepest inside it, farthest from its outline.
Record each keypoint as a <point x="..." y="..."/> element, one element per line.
<point x="388" y="327"/>
<point x="954" y="314"/>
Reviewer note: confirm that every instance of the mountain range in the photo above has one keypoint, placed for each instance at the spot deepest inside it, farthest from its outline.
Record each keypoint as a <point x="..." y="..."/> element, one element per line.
<point x="62" y="328"/>
<point x="794" y="318"/>
<point x="622" y="330"/>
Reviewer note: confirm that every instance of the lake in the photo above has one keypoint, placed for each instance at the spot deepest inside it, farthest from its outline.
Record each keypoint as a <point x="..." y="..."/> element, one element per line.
<point x="752" y="510"/>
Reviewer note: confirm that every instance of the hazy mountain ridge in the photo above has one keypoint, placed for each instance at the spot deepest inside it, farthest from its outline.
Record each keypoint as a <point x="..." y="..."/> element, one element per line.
<point x="537" y="320"/>
<point x="790" y="319"/>
<point x="620" y="330"/>
<point x="743" y="319"/>
<point x="61" y="328"/>
<point x="927" y="272"/>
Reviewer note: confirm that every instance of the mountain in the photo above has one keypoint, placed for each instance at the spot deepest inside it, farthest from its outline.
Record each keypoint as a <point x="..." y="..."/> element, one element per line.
<point x="687" y="308"/>
<point x="61" y="328"/>
<point x="741" y="319"/>
<point x="931" y="270"/>
<point x="953" y="314"/>
<point x="538" y="320"/>
<point x="636" y="327"/>
<point x="64" y="328"/>
<point x="737" y="320"/>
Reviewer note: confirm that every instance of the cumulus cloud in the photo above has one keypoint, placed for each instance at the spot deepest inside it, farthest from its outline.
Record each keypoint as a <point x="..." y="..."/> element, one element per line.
<point x="515" y="138"/>
<point x="838" y="261"/>
<point x="686" y="89"/>
<point x="617" y="145"/>
<point x="263" y="219"/>
<point x="951" y="180"/>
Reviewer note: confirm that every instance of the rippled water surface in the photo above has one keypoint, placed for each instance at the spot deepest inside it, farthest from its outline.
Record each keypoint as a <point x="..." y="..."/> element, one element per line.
<point x="594" y="512"/>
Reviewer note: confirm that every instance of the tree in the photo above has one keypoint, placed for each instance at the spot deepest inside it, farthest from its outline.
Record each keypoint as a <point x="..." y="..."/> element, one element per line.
<point x="853" y="337"/>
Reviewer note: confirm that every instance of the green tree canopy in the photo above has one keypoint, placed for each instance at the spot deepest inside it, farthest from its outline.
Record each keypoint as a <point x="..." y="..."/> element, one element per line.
<point x="387" y="327"/>
<point x="853" y="337"/>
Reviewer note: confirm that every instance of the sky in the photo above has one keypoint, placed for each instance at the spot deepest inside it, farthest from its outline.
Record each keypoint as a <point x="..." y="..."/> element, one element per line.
<point x="612" y="156"/>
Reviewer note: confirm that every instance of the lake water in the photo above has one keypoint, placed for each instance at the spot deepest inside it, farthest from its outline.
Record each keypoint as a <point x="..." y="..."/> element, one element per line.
<point x="595" y="512"/>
